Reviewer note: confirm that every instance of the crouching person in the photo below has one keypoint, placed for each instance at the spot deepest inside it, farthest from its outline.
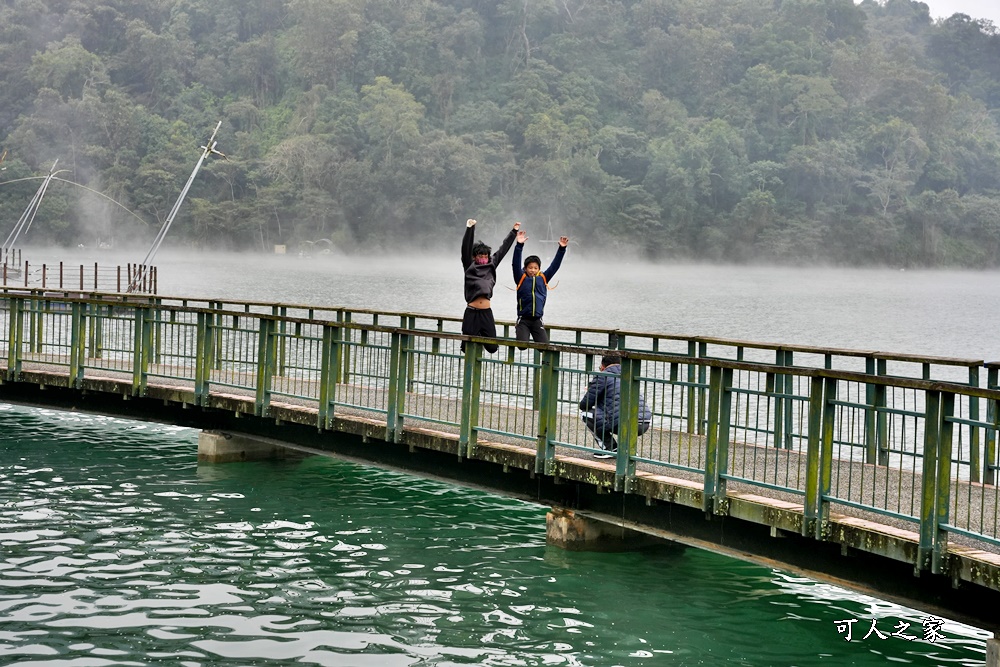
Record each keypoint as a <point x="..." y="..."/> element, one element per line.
<point x="602" y="403"/>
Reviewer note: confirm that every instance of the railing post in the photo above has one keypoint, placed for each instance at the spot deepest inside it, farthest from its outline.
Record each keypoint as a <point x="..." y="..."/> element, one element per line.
<point x="814" y="438"/>
<point x="411" y="359"/>
<point x="536" y="379"/>
<point x="628" y="421"/>
<point x="871" y="436"/>
<point x="881" y="419"/>
<point x="824" y="475"/>
<point x="788" y="409"/>
<point x="993" y="417"/>
<point x="975" y="455"/>
<point x="396" y="404"/>
<point x="943" y="486"/>
<point x="929" y="471"/>
<point x="141" y="341"/>
<point x="201" y="359"/>
<point x="436" y="342"/>
<point x="470" y="399"/>
<point x="40" y="306"/>
<point x="329" y="372"/>
<point x="266" y="364"/>
<point x="156" y="332"/>
<point x="693" y="421"/>
<point x="345" y="348"/>
<point x="216" y="329"/>
<point x="716" y="451"/>
<point x="702" y="403"/>
<point x="30" y="309"/>
<point x="14" y="342"/>
<point x="548" y="411"/>
<point x="876" y="435"/>
<point x="776" y="388"/>
<point x="75" y="345"/>
<point x="282" y="361"/>
<point x="96" y="334"/>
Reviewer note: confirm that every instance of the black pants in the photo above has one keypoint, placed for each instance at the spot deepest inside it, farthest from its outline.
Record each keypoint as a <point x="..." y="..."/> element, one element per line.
<point x="605" y="430"/>
<point x="479" y="322"/>
<point x="530" y="326"/>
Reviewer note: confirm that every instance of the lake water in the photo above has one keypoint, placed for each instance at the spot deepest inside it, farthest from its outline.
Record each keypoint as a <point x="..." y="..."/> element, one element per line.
<point x="118" y="548"/>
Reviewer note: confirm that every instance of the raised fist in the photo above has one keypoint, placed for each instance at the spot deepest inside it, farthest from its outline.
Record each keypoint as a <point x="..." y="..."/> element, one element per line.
<point x="470" y="223"/>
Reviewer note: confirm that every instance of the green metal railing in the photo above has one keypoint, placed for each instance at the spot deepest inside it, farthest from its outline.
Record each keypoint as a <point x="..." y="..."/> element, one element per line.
<point x="833" y="430"/>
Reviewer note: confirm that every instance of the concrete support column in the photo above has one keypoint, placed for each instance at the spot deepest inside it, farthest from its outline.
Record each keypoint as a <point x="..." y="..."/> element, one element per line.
<point x="568" y="530"/>
<point x="218" y="447"/>
<point x="993" y="651"/>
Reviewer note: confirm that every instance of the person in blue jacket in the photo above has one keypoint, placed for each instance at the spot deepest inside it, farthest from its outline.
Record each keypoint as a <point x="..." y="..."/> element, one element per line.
<point x="602" y="403"/>
<point x="480" y="277"/>
<point x="532" y="289"/>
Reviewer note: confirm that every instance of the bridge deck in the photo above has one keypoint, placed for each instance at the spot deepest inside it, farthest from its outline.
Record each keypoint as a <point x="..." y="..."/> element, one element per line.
<point x="662" y="455"/>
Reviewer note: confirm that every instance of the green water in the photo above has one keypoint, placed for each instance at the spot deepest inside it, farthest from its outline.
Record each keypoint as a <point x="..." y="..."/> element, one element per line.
<point x="118" y="548"/>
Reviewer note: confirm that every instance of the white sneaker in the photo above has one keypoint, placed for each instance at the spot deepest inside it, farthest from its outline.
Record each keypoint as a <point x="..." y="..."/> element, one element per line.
<point x="604" y="455"/>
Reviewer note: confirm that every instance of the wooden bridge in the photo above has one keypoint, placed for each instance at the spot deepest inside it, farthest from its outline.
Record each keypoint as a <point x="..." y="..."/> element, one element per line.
<point x="876" y="470"/>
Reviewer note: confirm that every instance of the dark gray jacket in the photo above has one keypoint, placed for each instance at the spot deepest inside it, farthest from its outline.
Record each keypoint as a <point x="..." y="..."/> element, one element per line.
<point x="480" y="278"/>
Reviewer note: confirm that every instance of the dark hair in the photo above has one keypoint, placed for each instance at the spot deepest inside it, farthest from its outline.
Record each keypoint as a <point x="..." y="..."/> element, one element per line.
<point x="481" y="248"/>
<point x="611" y="359"/>
<point x="532" y="259"/>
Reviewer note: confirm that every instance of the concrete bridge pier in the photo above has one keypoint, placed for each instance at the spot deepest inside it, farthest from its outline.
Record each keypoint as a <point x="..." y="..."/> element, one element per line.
<point x="993" y="651"/>
<point x="220" y="447"/>
<point x="569" y="530"/>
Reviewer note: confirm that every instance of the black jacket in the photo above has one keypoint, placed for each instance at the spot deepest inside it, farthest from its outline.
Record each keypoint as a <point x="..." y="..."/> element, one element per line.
<point x="480" y="278"/>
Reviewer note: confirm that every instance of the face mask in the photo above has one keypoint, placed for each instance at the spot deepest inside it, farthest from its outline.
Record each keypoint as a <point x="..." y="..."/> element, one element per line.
<point x="482" y="260"/>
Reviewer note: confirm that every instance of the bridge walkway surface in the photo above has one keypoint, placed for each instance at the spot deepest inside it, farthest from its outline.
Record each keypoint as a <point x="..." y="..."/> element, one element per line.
<point x="835" y="462"/>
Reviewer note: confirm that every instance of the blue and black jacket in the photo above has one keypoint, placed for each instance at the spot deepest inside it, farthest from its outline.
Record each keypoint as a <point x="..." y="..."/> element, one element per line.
<point x="531" y="292"/>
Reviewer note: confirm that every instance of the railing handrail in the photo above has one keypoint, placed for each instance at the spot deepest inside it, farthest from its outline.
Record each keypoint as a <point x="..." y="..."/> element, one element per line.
<point x="163" y="302"/>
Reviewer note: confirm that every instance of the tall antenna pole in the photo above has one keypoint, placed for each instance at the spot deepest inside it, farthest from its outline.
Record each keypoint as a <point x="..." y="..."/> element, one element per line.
<point x="143" y="269"/>
<point x="24" y="222"/>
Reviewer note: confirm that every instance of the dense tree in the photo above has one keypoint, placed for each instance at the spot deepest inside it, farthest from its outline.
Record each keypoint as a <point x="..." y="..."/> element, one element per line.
<point x="799" y="130"/>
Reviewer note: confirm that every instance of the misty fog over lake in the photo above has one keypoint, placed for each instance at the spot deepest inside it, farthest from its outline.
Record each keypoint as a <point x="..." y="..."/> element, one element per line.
<point x="931" y="312"/>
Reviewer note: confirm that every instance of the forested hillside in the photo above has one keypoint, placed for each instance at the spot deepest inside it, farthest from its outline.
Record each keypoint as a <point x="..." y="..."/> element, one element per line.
<point x="791" y="131"/>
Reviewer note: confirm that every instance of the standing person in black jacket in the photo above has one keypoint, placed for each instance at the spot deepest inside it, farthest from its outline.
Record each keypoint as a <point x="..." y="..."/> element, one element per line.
<point x="532" y="289"/>
<point x="480" y="277"/>
<point x="602" y="405"/>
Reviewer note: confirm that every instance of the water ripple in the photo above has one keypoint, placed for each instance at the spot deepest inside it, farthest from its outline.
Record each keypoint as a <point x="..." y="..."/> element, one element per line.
<point x="119" y="549"/>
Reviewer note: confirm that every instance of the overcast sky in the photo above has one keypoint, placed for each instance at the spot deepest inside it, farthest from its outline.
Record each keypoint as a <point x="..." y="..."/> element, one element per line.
<point x="977" y="9"/>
